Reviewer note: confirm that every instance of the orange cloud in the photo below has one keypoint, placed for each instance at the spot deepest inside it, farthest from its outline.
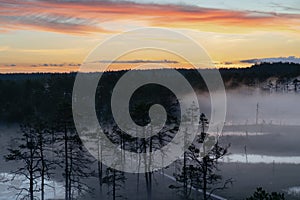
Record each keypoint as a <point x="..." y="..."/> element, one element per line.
<point x="88" y="17"/>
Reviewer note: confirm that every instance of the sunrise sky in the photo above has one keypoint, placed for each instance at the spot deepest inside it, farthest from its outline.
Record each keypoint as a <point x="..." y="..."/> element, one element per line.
<point x="57" y="35"/>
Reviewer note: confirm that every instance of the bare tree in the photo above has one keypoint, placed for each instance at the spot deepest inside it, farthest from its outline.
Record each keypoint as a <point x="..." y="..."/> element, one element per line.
<point x="44" y="145"/>
<point x="31" y="151"/>
<point x="200" y="171"/>
<point x="76" y="160"/>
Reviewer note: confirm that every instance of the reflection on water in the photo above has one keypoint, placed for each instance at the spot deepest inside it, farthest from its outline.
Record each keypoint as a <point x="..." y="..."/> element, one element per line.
<point x="293" y="191"/>
<point x="53" y="190"/>
<point x="255" y="158"/>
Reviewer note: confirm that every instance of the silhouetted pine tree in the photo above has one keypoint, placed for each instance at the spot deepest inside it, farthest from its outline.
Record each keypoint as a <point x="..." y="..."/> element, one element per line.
<point x="200" y="170"/>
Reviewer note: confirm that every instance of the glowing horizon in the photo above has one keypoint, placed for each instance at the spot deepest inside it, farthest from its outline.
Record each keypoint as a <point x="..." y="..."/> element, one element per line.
<point x="40" y="36"/>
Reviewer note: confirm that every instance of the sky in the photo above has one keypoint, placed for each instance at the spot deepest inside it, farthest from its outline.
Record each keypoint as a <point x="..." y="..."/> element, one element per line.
<point x="57" y="35"/>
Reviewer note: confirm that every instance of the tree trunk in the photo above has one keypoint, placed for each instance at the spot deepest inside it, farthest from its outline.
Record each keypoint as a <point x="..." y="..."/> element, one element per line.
<point x="31" y="175"/>
<point x="100" y="176"/>
<point x="31" y="170"/>
<point x="114" y="184"/>
<point x="66" y="165"/>
<point x="69" y="172"/>
<point x="43" y="167"/>
<point x="43" y="179"/>
<point x="31" y="186"/>
<point x="100" y="166"/>
<point x="150" y="169"/>
<point x="184" y="176"/>
<point x="205" y="179"/>
<point x="185" y="186"/>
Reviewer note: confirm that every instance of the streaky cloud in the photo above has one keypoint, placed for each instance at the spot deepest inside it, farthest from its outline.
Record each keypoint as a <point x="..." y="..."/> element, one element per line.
<point x="136" y="61"/>
<point x="86" y="17"/>
<point x="290" y="59"/>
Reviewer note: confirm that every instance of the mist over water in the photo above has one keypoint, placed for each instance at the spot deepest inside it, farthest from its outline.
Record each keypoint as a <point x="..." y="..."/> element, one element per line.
<point x="53" y="190"/>
<point x="244" y="104"/>
<point x="262" y="128"/>
<point x="272" y="108"/>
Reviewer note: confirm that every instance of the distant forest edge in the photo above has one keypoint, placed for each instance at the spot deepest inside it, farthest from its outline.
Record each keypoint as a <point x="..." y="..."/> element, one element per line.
<point x="237" y="76"/>
<point x="28" y="95"/>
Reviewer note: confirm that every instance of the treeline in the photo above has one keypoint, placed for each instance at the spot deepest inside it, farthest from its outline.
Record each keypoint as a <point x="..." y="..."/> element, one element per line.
<point x="259" y="73"/>
<point x="38" y="94"/>
<point x="21" y="99"/>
